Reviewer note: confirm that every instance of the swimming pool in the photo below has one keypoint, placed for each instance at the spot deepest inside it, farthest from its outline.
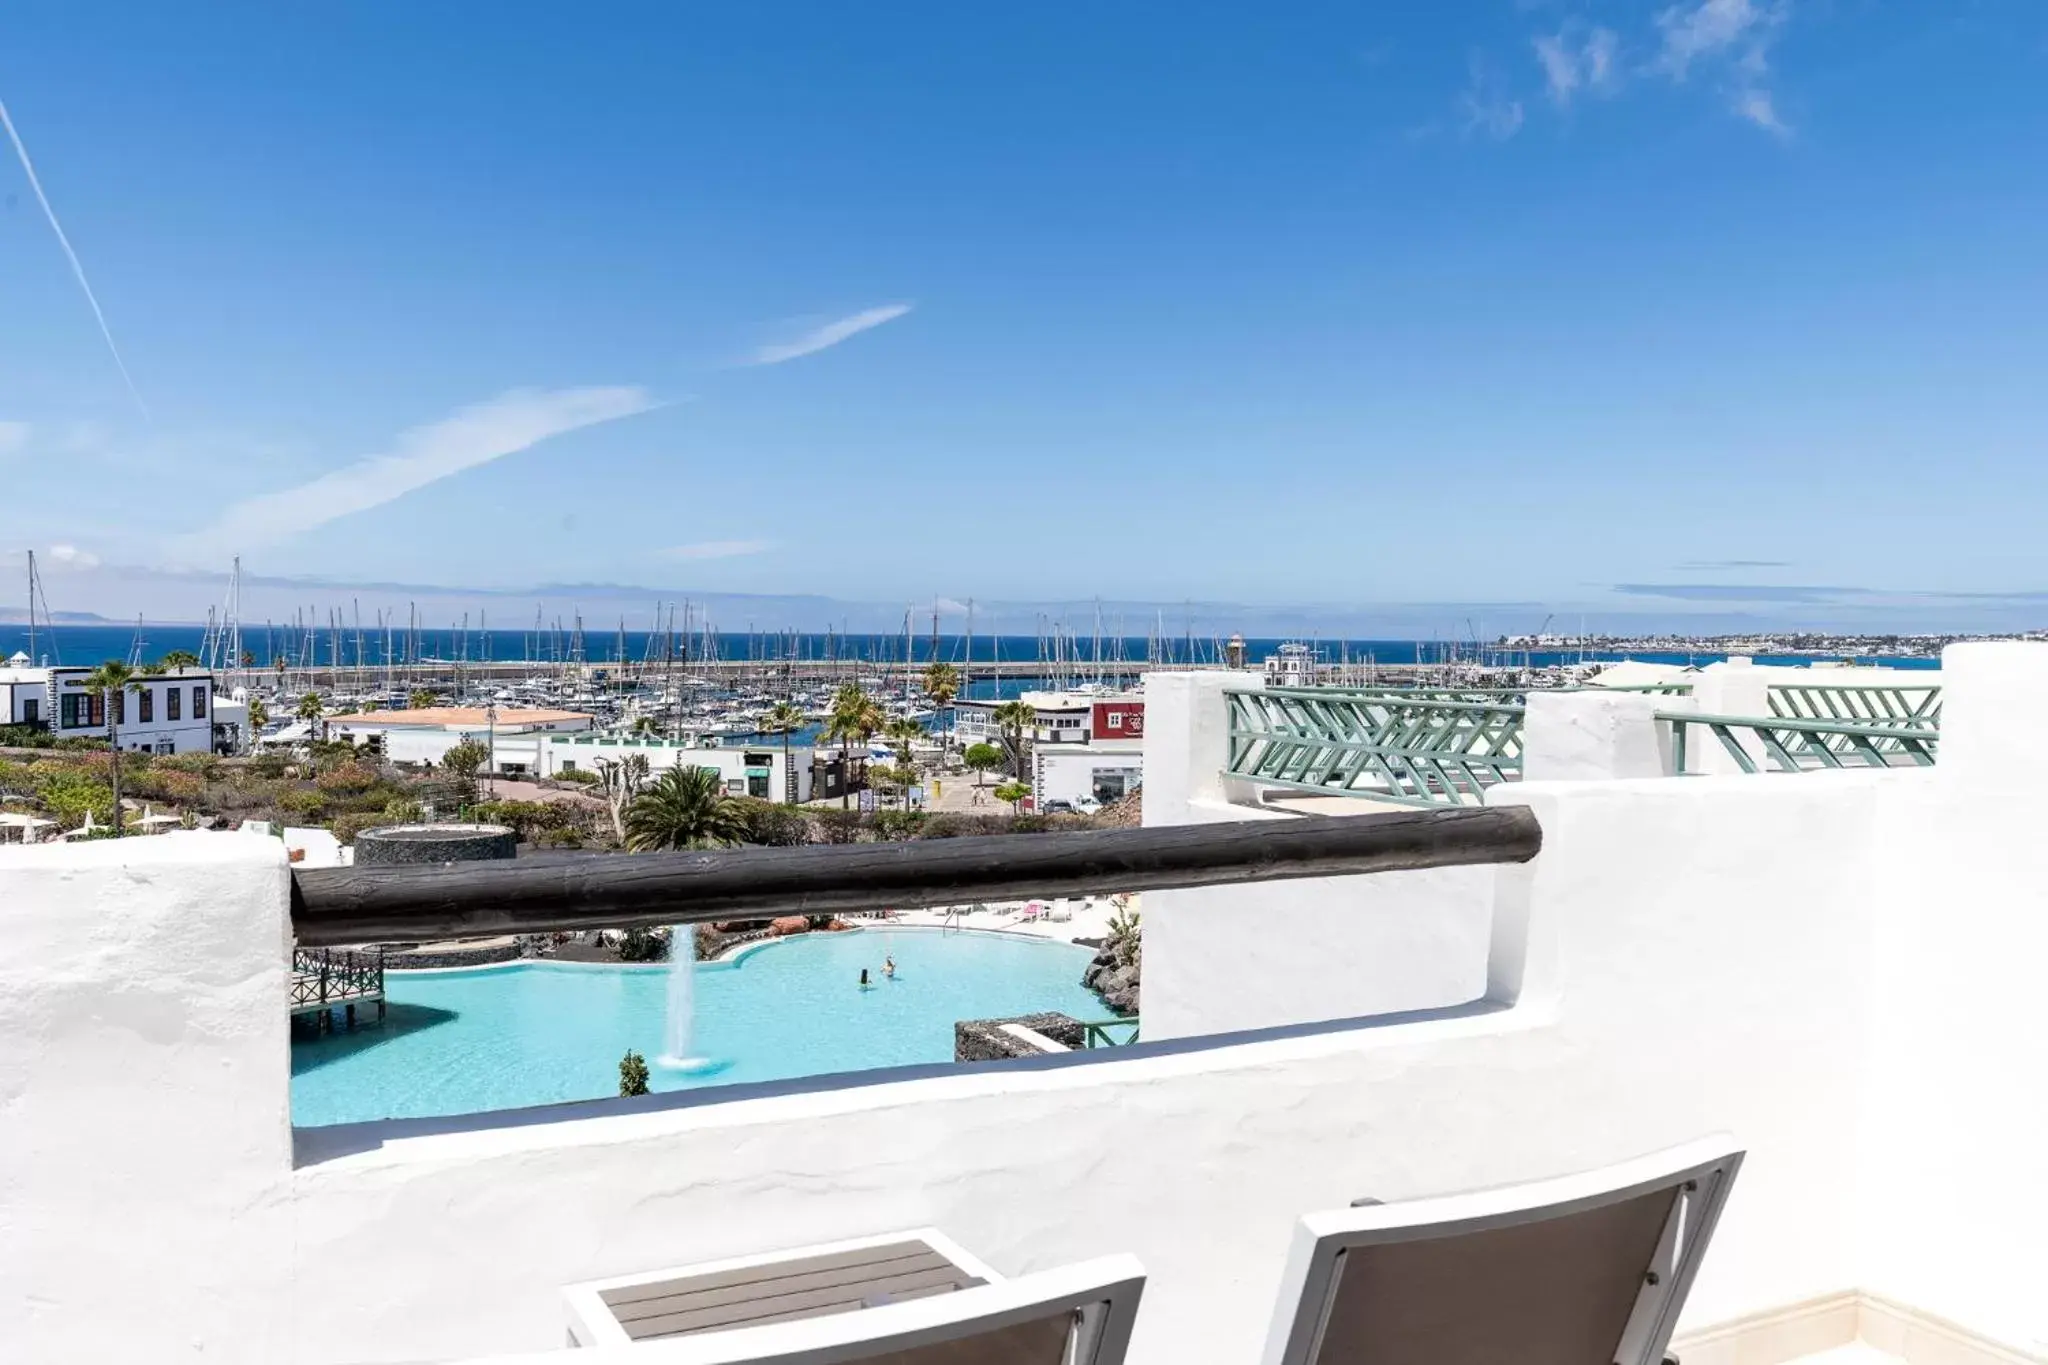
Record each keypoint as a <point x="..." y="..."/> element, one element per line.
<point x="483" y="1038"/>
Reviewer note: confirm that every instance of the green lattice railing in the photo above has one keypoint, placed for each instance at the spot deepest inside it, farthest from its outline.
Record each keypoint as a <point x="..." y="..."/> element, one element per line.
<point x="1797" y="745"/>
<point x="1097" y="1033"/>
<point x="1916" y="707"/>
<point x="1413" y="748"/>
<point x="1446" y="746"/>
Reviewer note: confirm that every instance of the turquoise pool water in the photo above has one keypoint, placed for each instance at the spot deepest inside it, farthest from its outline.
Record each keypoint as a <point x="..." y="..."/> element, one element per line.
<point x="469" y="1041"/>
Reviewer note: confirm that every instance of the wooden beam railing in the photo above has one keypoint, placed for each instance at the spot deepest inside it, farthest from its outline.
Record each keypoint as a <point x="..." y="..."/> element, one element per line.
<point x="549" y="893"/>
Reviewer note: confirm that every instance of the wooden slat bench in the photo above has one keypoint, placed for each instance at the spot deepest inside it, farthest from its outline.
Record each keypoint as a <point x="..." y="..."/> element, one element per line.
<point x="783" y="1287"/>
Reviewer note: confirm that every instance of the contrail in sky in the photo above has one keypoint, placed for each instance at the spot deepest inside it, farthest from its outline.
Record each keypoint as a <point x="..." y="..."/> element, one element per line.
<point x="29" y="168"/>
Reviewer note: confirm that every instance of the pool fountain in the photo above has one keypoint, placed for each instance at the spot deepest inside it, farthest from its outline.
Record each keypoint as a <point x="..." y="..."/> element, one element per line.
<point x="680" y="1030"/>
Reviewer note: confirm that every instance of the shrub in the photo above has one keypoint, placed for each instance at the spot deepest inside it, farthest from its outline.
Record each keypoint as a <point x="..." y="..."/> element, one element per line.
<point x="302" y="803"/>
<point x="347" y="778"/>
<point x="347" y="827"/>
<point x="772" y="826"/>
<point x="204" y="765"/>
<point x="898" y="825"/>
<point x="632" y="1075"/>
<point x="839" y="826"/>
<point x="569" y="837"/>
<point x="402" y="810"/>
<point x="950" y="825"/>
<point x="644" y="945"/>
<point x="572" y="773"/>
<point x="526" y="818"/>
<point x="1030" y="824"/>
<point x="184" y="788"/>
<point x="268" y="765"/>
<point x="69" y="794"/>
<point x="26" y="737"/>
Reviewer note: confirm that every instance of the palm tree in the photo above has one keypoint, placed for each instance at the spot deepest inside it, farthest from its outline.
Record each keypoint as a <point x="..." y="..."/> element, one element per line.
<point x="259" y="716"/>
<point x="311" y="711"/>
<point x="1013" y="718"/>
<point x="854" y="715"/>
<point x="942" y="684"/>
<point x="110" y="682"/>
<point x="419" y="699"/>
<point x="780" y="719"/>
<point x="179" y="658"/>
<point x="686" y="807"/>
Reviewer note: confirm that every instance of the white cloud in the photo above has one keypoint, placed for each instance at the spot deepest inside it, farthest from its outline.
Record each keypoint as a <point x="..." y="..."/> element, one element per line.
<point x="472" y="436"/>
<point x="1570" y="65"/>
<point x="828" y="334"/>
<point x="13" y="436"/>
<point x="71" y="557"/>
<point x="1731" y="38"/>
<point x="718" y="549"/>
<point x="1484" y="107"/>
<point x="1711" y="29"/>
<point x="1756" y="106"/>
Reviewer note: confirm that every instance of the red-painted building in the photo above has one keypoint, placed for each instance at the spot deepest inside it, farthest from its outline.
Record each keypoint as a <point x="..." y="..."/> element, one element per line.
<point x="1114" y="720"/>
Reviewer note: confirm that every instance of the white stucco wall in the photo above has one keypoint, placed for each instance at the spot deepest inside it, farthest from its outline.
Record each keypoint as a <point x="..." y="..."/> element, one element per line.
<point x="1287" y="952"/>
<point x="1957" y="1114"/>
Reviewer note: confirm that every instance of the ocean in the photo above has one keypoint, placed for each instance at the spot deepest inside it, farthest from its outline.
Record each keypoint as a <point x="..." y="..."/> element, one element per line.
<point x="91" y="644"/>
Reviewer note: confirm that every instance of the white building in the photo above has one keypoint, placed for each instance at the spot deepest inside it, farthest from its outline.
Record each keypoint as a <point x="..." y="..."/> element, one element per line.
<point x="761" y="772"/>
<point x="1057" y="718"/>
<point x="1071" y="776"/>
<point x="159" y="713"/>
<point x="514" y="735"/>
<point x="1842" y="968"/>
<point x="1293" y="666"/>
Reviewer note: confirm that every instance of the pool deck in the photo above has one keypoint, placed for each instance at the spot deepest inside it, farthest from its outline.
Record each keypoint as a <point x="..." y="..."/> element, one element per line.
<point x="1090" y="918"/>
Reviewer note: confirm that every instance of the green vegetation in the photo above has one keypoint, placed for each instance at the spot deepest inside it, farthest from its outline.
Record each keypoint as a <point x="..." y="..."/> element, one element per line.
<point x="110" y="683"/>
<point x="463" y="762"/>
<point x="982" y="759"/>
<point x="632" y="1075"/>
<point x="420" y="699"/>
<point x="1124" y="938"/>
<point x="178" y="658"/>
<point x="644" y="945"/>
<point x="686" y="807"/>
<point x="769" y="825"/>
<point x="1014" y="793"/>
<point x="942" y="684"/>
<point x="1014" y="720"/>
<point x="854" y="716"/>
<point x="68" y="794"/>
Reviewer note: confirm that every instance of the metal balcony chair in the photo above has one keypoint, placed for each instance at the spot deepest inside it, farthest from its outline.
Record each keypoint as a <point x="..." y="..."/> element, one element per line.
<point x="1586" y="1270"/>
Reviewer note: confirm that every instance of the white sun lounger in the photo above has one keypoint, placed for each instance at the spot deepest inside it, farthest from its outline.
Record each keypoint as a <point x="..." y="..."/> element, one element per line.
<point x="909" y="1298"/>
<point x="1586" y="1270"/>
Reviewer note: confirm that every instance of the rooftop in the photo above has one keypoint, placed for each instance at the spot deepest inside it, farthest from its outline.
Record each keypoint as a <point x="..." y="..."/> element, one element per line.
<point x="1840" y="967"/>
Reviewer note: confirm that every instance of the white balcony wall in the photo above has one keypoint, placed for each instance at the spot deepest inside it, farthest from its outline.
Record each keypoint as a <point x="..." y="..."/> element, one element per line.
<point x="1838" y="967"/>
<point x="1957" y="1114"/>
<point x="1247" y="957"/>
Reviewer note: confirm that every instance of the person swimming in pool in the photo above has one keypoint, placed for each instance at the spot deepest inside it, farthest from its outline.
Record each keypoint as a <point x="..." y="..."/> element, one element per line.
<point x="865" y="984"/>
<point x="889" y="967"/>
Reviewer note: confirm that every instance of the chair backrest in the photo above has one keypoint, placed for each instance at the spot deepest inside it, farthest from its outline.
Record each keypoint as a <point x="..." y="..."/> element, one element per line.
<point x="1586" y="1270"/>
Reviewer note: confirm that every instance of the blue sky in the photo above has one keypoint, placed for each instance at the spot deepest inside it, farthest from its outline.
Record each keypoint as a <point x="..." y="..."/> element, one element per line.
<point x="1717" y="306"/>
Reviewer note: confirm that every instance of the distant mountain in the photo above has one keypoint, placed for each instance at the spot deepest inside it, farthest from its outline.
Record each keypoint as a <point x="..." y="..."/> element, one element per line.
<point x="19" y="616"/>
